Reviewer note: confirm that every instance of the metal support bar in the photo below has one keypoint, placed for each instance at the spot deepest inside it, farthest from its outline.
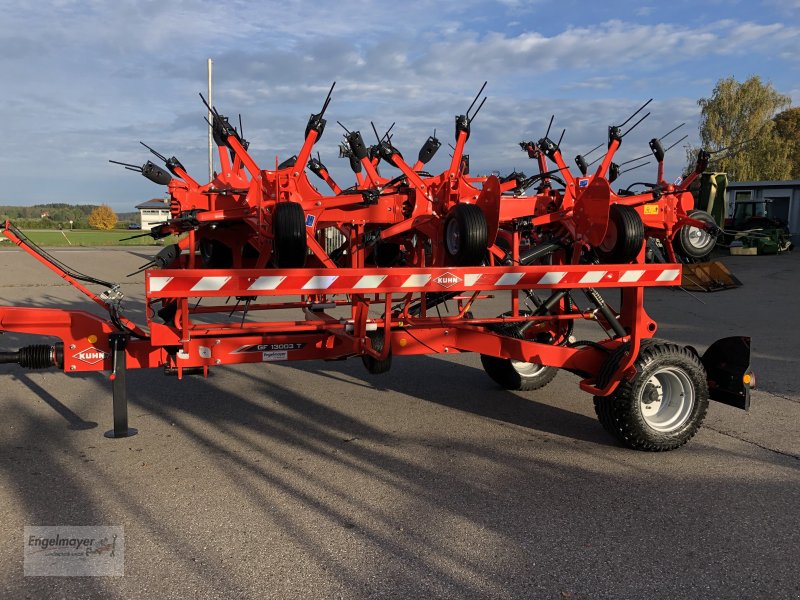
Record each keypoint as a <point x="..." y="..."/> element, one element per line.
<point x="118" y="342"/>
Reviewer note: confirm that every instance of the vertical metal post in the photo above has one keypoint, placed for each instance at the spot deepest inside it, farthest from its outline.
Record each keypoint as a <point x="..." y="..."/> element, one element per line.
<point x="118" y="341"/>
<point x="210" y="133"/>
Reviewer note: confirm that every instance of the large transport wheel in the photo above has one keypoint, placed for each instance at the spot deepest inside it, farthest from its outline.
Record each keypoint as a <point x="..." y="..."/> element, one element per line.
<point x="663" y="405"/>
<point x="515" y="374"/>
<point x="466" y="235"/>
<point x="289" y="248"/>
<point x="624" y="236"/>
<point x="693" y="243"/>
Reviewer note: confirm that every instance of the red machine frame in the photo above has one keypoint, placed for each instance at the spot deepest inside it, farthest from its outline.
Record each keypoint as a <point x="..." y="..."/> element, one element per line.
<point x="186" y="345"/>
<point x="559" y="228"/>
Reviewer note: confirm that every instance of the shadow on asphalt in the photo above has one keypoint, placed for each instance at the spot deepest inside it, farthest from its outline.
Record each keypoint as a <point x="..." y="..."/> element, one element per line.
<point x="550" y="516"/>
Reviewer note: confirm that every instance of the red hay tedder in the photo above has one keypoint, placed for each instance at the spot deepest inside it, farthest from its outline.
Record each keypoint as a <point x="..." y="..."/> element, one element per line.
<point x="407" y="245"/>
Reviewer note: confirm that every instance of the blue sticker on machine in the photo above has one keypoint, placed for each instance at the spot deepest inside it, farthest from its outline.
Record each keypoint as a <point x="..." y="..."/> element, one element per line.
<point x="583" y="182"/>
<point x="310" y="221"/>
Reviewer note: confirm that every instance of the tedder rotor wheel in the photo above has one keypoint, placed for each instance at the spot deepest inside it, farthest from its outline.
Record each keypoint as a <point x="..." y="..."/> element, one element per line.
<point x="386" y="254"/>
<point x="289" y="248"/>
<point x="515" y="374"/>
<point x="215" y="255"/>
<point x="466" y="235"/>
<point x="693" y="243"/>
<point x="624" y="236"/>
<point x="663" y="405"/>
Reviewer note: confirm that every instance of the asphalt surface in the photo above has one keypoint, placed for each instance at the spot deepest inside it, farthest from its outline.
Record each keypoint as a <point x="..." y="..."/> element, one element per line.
<point x="317" y="480"/>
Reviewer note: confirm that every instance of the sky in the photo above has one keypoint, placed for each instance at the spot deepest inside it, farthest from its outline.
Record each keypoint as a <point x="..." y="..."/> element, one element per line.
<point x="85" y="81"/>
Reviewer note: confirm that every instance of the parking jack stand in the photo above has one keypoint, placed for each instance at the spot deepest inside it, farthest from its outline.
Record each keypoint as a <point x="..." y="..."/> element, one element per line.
<point x="118" y="342"/>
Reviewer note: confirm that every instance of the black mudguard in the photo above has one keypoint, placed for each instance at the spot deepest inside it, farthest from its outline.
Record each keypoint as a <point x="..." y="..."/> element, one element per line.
<point x="726" y="363"/>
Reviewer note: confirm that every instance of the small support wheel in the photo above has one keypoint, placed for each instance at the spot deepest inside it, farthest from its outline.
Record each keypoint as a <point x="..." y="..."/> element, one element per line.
<point x="515" y="374"/>
<point x="466" y="235"/>
<point x="289" y="248"/>
<point x="624" y="236"/>
<point x="663" y="405"/>
<point x="372" y="364"/>
<point x="693" y="243"/>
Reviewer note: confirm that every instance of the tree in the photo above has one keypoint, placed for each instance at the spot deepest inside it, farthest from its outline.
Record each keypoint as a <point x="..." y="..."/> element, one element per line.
<point x="739" y="116"/>
<point x="102" y="217"/>
<point x="787" y="126"/>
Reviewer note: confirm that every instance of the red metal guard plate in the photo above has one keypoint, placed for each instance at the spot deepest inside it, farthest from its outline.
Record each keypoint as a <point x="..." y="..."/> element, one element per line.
<point x="178" y="283"/>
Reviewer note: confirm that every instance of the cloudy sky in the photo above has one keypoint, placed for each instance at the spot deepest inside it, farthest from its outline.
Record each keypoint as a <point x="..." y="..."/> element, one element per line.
<point x="84" y="81"/>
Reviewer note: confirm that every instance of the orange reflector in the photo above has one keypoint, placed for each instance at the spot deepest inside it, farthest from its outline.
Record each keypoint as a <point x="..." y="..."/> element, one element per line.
<point x="747" y="379"/>
<point x="91" y="339"/>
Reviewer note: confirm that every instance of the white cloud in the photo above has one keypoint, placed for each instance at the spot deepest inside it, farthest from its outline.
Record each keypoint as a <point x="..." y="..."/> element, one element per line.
<point x="85" y="81"/>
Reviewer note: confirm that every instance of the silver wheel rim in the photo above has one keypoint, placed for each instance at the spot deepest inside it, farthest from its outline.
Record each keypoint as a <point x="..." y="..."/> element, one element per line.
<point x="667" y="399"/>
<point x="453" y="237"/>
<point x="527" y="369"/>
<point x="699" y="239"/>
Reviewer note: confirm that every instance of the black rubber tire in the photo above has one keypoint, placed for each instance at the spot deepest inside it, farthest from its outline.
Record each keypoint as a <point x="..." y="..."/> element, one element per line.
<point x="386" y="254"/>
<point x="372" y="364"/>
<point x="621" y="412"/>
<point x="289" y="248"/>
<point x="624" y="237"/>
<point x="512" y="375"/>
<point x="466" y="235"/>
<point x="686" y="243"/>
<point x="215" y="255"/>
<point x="506" y="375"/>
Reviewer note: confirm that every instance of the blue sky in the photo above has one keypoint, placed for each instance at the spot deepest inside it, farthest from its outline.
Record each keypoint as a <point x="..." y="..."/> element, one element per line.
<point x="84" y="81"/>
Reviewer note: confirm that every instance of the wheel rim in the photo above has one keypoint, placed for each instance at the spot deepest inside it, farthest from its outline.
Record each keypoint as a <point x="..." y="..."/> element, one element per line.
<point x="666" y="400"/>
<point x="610" y="240"/>
<point x="698" y="239"/>
<point x="452" y="237"/>
<point x="527" y="369"/>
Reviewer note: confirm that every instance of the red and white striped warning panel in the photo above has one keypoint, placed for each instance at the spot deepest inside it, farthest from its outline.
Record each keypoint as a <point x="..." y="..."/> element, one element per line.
<point x="174" y="283"/>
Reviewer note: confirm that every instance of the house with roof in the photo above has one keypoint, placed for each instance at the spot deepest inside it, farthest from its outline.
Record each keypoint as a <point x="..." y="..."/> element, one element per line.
<point x="153" y="212"/>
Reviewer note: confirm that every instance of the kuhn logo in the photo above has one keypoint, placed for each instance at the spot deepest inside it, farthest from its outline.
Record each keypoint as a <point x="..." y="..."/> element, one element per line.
<point x="447" y="280"/>
<point x="91" y="355"/>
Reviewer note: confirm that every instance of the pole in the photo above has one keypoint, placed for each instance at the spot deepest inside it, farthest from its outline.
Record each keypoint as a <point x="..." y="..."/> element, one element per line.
<point x="210" y="134"/>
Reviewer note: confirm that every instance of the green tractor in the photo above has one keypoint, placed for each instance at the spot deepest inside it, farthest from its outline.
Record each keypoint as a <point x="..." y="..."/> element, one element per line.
<point x="752" y="231"/>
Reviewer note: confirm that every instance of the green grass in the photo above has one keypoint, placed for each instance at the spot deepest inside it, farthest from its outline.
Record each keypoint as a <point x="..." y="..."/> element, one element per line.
<point x="91" y="237"/>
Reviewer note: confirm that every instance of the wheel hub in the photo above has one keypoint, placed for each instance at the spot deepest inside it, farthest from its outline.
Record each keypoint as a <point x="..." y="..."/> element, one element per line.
<point x="453" y="237"/>
<point x="667" y="400"/>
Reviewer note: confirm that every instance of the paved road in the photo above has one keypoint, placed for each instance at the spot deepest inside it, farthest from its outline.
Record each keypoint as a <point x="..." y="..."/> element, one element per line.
<point x="316" y="480"/>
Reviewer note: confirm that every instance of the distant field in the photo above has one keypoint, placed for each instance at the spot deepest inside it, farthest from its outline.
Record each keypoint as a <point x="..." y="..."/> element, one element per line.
<point x="90" y="237"/>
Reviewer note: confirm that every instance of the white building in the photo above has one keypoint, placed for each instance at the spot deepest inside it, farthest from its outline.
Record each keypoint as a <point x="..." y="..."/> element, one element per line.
<point x="153" y="212"/>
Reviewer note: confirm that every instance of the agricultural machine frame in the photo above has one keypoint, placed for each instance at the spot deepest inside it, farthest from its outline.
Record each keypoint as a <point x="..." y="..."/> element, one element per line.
<point x="650" y="394"/>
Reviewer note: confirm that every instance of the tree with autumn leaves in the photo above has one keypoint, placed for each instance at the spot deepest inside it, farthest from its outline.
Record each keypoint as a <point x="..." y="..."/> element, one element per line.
<point x="754" y="122"/>
<point x="102" y="217"/>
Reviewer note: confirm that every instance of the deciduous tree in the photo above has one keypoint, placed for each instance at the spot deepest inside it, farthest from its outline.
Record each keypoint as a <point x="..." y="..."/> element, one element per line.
<point x="739" y="116"/>
<point x="787" y="126"/>
<point x="102" y="217"/>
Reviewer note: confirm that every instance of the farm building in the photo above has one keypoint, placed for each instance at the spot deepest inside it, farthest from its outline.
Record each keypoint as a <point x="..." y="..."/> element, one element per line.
<point x="781" y="200"/>
<point x="153" y="212"/>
